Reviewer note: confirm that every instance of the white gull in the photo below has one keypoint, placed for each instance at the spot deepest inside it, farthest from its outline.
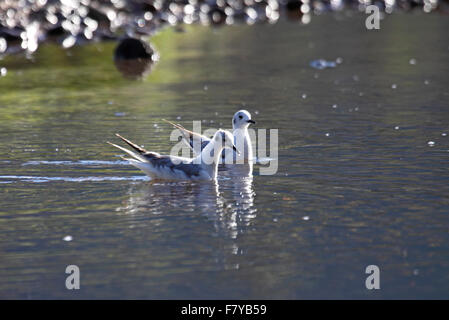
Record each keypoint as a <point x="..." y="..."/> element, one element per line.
<point x="240" y="123"/>
<point x="202" y="167"/>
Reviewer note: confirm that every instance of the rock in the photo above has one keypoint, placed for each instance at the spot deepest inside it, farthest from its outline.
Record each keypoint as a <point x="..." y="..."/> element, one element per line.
<point x="131" y="48"/>
<point x="134" y="58"/>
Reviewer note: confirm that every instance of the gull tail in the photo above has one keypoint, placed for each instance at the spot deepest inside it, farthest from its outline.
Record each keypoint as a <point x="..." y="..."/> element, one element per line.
<point x="131" y="153"/>
<point x="144" y="166"/>
<point x="132" y="144"/>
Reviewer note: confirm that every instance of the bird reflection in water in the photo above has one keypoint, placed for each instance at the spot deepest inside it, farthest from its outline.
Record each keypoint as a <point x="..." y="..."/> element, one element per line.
<point x="235" y="206"/>
<point x="228" y="202"/>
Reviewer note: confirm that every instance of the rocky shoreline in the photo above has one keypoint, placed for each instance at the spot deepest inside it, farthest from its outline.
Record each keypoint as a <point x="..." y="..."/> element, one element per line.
<point x="24" y="24"/>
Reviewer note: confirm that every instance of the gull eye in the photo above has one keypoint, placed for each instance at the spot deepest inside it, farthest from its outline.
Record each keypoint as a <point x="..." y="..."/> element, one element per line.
<point x="240" y="117"/>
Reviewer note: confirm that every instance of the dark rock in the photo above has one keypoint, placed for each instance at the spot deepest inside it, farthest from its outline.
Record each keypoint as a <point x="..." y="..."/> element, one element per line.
<point x="134" y="58"/>
<point x="56" y="31"/>
<point x="293" y="9"/>
<point x="131" y="48"/>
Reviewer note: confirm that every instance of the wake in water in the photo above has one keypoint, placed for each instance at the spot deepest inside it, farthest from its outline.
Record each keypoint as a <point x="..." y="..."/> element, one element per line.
<point x="6" y="179"/>
<point x="74" y="163"/>
<point x="103" y="162"/>
<point x="38" y="179"/>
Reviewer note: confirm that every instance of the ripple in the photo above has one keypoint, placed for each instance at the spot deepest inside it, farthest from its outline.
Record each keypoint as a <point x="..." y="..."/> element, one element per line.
<point x="79" y="162"/>
<point x="321" y="64"/>
<point x="38" y="179"/>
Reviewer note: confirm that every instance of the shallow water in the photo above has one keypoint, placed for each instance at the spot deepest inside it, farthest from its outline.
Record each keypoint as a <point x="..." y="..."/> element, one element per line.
<point x="357" y="184"/>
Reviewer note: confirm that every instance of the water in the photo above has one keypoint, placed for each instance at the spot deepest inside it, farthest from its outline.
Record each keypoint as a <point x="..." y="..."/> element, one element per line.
<point x="357" y="184"/>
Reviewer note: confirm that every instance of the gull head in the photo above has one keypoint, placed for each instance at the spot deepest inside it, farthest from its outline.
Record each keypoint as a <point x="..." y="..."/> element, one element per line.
<point x="242" y="119"/>
<point x="226" y="139"/>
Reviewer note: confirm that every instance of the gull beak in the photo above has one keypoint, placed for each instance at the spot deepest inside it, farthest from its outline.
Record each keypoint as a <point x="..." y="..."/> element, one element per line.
<point x="251" y="121"/>
<point x="235" y="149"/>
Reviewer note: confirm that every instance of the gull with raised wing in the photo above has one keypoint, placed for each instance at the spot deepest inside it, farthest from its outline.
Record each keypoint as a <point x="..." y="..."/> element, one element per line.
<point x="202" y="167"/>
<point x="240" y="123"/>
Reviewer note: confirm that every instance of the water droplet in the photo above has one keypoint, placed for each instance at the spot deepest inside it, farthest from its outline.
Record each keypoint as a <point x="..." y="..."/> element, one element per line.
<point x="275" y="220"/>
<point x="327" y="134"/>
<point x="396" y="128"/>
<point x="444" y="134"/>
<point x="415" y="272"/>
<point x="334" y="106"/>
<point x="178" y="117"/>
<point x="304" y="96"/>
<point x="394" y="86"/>
<point x="426" y="82"/>
<point x="339" y="60"/>
<point x="306" y="218"/>
<point x="412" y="61"/>
<point x="3" y="72"/>
<point x="431" y="143"/>
<point x="67" y="238"/>
<point x="321" y="64"/>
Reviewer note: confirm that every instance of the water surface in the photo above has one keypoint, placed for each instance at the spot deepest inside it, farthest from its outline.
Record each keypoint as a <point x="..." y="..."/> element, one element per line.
<point x="357" y="184"/>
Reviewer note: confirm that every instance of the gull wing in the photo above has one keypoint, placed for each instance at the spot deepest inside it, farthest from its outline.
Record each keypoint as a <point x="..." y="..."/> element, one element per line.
<point x="193" y="139"/>
<point x="154" y="163"/>
<point x="165" y="163"/>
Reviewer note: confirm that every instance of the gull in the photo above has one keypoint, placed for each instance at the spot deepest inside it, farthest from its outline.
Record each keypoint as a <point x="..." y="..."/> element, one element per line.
<point x="202" y="167"/>
<point x="240" y="123"/>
